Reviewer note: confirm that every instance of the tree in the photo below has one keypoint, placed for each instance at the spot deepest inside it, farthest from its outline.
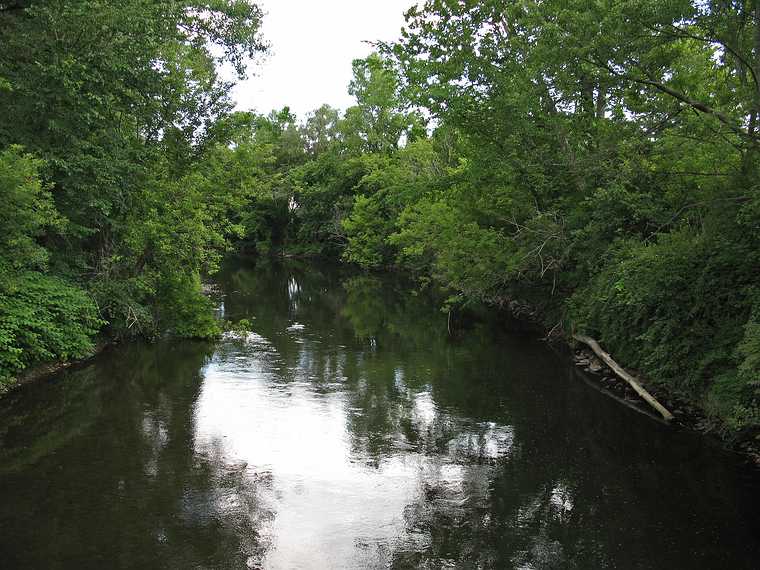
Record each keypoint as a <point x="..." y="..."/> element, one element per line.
<point x="378" y="122"/>
<point x="321" y="130"/>
<point x="118" y="104"/>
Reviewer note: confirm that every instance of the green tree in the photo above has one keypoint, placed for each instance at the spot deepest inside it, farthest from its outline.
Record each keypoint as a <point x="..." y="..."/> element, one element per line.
<point x="379" y="121"/>
<point x="42" y="317"/>
<point x="320" y="130"/>
<point x="119" y="100"/>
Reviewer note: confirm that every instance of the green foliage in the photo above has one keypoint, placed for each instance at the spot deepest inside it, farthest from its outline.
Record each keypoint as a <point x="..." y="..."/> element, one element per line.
<point x="366" y="229"/>
<point x="324" y="190"/>
<point x="742" y="407"/>
<point x="238" y="328"/>
<point x="389" y="185"/>
<point x="460" y="254"/>
<point x="28" y="210"/>
<point x="185" y="311"/>
<point x="43" y="318"/>
<point x="128" y="187"/>
<point x="320" y="131"/>
<point x="377" y="123"/>
<point x="677" y="310"/>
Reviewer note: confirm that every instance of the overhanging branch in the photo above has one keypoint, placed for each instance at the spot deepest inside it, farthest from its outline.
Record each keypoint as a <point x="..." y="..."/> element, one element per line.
<point x="693" y="103"/>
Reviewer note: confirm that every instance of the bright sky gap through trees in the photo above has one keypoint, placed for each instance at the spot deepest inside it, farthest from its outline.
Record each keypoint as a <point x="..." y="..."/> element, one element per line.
<point x="312" y="46"/>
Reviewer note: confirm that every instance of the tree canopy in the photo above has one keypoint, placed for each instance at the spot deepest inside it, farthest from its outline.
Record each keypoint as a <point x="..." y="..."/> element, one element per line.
<point x="597" y="159"/>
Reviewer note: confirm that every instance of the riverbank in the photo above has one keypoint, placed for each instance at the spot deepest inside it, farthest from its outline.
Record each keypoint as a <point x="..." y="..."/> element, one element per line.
<point x="688" y="414"/>
<point x="42" y="370"/>
<point x="524" y="315"/>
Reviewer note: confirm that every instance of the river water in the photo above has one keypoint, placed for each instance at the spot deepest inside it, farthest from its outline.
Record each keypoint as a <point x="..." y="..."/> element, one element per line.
<point x="350" y="430"/>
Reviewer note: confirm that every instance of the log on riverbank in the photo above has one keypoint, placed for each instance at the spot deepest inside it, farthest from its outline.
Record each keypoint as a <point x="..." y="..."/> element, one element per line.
<point x="625" y="375"/>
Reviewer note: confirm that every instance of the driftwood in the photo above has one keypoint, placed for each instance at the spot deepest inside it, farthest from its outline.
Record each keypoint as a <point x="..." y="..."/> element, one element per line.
<point x="620" y="371"/>
<point x="609" y="394"/>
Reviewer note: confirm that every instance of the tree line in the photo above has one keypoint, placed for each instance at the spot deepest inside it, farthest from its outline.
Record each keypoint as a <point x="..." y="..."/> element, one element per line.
<point x="112" y="130"/>
<point x="596" y="158"/>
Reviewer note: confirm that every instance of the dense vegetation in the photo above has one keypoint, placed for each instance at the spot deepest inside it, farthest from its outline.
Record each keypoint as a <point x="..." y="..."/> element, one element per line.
<point x="598" y="159"/>
<point x="116" y="197"/>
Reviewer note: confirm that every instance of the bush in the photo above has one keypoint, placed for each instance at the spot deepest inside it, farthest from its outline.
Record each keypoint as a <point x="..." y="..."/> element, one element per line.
<point x="739" y="399"/>
<point x="42" y="318"/>
<point x="184" y="310"/>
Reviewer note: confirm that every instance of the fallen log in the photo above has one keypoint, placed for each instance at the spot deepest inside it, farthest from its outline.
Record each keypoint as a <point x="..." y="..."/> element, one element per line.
<point x="651" y="414"/>
<point x="620" y="371"/>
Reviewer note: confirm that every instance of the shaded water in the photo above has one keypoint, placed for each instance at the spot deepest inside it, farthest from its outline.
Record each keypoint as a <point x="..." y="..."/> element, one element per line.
<point x="350" y="431"/>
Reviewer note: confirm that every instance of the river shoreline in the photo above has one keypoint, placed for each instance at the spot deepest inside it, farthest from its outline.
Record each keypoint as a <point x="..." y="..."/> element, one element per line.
<point x="43" y="370"/>
<point x="688" y="415"/>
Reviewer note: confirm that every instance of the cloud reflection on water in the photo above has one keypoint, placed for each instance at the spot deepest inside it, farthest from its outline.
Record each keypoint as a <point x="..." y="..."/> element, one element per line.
<point x="336" y="504"/>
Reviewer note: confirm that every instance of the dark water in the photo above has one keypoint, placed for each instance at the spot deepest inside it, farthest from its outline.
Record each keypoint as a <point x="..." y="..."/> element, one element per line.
<point x="350" y="431"/>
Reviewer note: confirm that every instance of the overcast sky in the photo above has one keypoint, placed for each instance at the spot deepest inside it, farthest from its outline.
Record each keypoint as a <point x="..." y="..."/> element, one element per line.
<point x="313" y="43"/>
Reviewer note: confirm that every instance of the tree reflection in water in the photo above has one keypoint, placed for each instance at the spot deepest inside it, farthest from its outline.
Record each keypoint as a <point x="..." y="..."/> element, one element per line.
<point x="110" y="479"/>
<point x="350" y="430"/>
<point x="505" y="460"/>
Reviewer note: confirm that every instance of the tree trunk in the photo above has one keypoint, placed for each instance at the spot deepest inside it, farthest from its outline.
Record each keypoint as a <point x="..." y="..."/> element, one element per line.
<point x="601" y="101"/>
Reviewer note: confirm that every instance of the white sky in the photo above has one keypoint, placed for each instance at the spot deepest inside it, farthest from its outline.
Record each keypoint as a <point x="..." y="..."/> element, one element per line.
<point x="312" y="45"/>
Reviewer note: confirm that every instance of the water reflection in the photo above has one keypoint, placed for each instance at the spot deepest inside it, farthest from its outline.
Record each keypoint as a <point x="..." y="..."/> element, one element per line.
<point x="349" y="430"/>
<point x="350" y="461"/>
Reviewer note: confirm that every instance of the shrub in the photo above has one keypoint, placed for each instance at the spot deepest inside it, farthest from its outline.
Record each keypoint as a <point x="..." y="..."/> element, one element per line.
<point x="42" y="318"/>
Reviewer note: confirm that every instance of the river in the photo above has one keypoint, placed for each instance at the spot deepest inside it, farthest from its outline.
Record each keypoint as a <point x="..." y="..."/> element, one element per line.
<point x="350" y="430"/>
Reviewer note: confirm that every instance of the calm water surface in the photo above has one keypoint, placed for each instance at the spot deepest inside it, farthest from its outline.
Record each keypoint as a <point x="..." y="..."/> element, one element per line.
<point x="348" y="430"/>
